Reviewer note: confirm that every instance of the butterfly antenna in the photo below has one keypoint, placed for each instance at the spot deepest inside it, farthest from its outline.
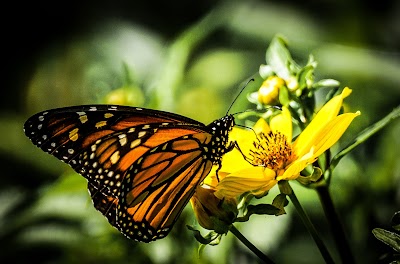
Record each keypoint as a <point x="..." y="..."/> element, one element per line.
<point x="259" y="110"/>
<point x="241" y="90"/>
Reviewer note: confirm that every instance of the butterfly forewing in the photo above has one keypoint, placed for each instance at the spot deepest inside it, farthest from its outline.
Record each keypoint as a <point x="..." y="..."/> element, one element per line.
<point x="61" y="132"/>
<point x="142" y="165"/>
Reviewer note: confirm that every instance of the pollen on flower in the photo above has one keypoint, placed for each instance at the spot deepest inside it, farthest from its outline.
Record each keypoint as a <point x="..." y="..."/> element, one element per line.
<point x="272" y="150"/>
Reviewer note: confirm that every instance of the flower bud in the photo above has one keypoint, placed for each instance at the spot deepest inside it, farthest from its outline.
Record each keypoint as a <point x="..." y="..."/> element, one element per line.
<point x="213" y="213"/>
<point x="269" y="90"/>
<point x="126" y="95"/>
<point x="292" y="83"/>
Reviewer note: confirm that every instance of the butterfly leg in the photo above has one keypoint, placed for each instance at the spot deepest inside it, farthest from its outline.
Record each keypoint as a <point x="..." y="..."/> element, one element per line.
<point x="216" y="172"/>
<point x="249" y="160"/>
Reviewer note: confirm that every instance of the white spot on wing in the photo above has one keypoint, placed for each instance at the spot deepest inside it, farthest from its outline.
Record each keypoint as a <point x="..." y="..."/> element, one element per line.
<point x="114" y="157"/>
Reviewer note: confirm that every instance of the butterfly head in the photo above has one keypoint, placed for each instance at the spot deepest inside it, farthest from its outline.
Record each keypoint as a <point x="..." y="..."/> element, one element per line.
<point x="220" y="129"/>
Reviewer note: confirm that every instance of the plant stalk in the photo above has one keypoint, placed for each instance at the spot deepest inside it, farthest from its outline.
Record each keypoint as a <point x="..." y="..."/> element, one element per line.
<point x="250" y="246"/>
<point x="310" y="227"/>
<point x="336" y="226"/>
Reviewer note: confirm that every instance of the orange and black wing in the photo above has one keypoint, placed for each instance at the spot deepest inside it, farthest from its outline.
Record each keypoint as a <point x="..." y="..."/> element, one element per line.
<point x="159" y="185"/>
<point x="142" y="165"/>
<point x="91" y="139"/>
<point x="104" y="203"/>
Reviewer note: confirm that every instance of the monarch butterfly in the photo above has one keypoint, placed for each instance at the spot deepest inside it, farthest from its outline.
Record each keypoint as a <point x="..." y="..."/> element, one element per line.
<point x="142" y="165"/>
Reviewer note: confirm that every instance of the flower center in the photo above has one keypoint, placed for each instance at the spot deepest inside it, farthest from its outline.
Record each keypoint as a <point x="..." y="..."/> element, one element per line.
<point x="272" y="150"/>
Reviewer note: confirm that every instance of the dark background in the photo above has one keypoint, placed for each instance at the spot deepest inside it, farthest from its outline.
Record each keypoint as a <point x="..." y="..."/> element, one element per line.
<point x="53" y="55"/>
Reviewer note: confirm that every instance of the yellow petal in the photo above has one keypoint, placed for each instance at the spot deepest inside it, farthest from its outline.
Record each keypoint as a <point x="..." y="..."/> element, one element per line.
<point x="234" y="160"/>
<point x="211" y="180"/>
<point x="247" y="180"/>
<point x="328" y="112"/>
<point x="261" y="126"/>
<point x="293" y="170"/>
<point x="283" y="123"/>
<point x="244" y="137"/>
<point x="332" y="132"/>
<point x="266" y="187"/>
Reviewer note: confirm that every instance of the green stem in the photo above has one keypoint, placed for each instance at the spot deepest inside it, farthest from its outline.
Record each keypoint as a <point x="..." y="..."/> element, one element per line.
<point x="336" y="227"/>
<point x="307" y="222"/>
<point x="250" y="246"/>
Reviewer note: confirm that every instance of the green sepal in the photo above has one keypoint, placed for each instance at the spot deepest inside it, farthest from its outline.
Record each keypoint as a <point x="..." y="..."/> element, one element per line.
<point x="212" y="238"/>
<point x="305" y="77"/>
<point x="284" y="188"/>
<point x="220" y="226"/>
<point x="280" y="202"/>
<point x="284" y="96"/>
<point x="253" y="98"/>
<point x="314" y="177"/>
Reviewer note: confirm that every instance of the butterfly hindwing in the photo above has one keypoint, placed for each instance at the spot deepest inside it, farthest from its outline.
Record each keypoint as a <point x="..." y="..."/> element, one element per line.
<point x="157" y="188"/>
<point x="104" y="203"/>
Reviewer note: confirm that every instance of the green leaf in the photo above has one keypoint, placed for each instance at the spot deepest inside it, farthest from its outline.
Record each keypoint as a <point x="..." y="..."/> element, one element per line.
<point x="265" y="71"/>
<point x="389" y="238"/>
<point x="326" y="83"/>
<point x="259" y="209"/>
<point x="333" y="92"/>
<point x="267" y="209"/>
<point x="396" y="221"/>
<point x="279" y="58"/>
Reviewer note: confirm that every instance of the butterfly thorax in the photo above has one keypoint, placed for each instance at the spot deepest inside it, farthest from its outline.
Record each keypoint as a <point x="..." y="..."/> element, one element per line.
<point x="219" y="145"/>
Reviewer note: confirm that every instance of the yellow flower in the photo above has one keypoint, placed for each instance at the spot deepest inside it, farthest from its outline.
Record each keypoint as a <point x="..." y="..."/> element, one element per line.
<point x="275" y="155"/>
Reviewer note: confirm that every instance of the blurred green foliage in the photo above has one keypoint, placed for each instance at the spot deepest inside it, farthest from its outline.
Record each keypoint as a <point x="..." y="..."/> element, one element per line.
<point x="190" y="58"/>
